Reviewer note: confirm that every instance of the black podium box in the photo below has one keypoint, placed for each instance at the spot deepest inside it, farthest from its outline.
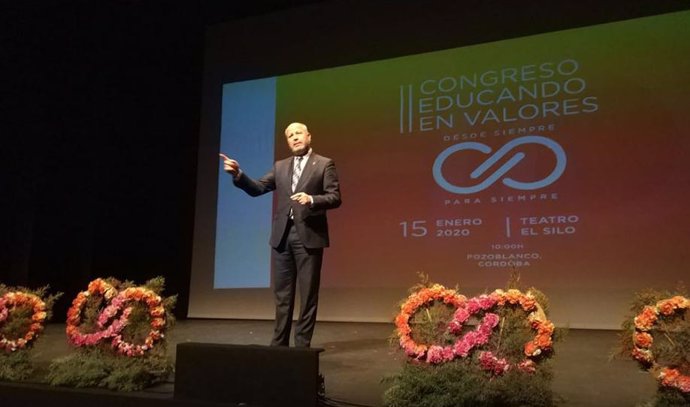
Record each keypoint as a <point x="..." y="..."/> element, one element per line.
<point x="251" y="375"/>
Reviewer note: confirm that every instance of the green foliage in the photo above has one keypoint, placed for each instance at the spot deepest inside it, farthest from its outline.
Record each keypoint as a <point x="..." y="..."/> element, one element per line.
<point x="15" y="366"/>
<point x="429" y="324"/>
<point x="96" y="368"/>
<point x="460" y="383"/>
<point x="665" y="397"/>
<point x="17" y="323"/>
<point x="511" y="334"/>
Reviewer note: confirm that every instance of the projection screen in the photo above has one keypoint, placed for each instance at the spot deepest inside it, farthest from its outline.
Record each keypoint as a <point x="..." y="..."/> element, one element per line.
<point x="559" y="156"/>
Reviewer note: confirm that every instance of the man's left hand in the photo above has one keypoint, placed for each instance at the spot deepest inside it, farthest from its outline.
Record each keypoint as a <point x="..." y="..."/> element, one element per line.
<point x="302" y="198"/>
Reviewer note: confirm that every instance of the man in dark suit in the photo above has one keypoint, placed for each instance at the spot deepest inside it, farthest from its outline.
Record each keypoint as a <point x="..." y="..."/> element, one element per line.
<point x="306" y="186"/>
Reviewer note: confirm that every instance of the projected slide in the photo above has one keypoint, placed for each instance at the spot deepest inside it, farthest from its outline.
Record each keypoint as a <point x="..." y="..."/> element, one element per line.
<point x="563" y="156"/>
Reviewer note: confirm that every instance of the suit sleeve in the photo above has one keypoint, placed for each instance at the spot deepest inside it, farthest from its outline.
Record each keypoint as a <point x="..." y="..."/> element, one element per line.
<point x="330" y="198"/>
<point x="253" y="187"/>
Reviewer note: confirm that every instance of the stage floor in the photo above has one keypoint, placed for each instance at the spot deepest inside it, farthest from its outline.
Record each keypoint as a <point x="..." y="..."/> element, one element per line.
<point x="359" y="355"/>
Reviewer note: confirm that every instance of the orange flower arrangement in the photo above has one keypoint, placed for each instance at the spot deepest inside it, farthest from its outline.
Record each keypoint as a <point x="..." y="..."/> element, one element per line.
<point x="425" y="296"/>
<point x="643" y="340"/>
<point x="536" y="318"/>
<point x="673" y="378"/>
<point x="543" y="340"/>
<point x="647" y="318"/>
<point x="16" y="299"/>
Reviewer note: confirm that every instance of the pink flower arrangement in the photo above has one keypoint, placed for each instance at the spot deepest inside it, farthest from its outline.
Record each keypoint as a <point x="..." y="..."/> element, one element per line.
<point x="643" y="340"/>
<point x="489" y="362"/>
<point x="18" y="299"/>
<point x="439" y="354"/>
<point x="481" y="334"/>
<point x="462" y="347"/>
<point x="110" y="323"/>
<point x="471" y="307"/>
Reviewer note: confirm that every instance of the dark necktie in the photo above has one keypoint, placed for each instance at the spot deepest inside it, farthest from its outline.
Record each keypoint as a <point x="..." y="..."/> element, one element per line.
<point x="296" y="172"/>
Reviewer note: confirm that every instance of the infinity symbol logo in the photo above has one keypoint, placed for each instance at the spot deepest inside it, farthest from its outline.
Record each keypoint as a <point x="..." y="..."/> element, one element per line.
<point x="501" y="171"/>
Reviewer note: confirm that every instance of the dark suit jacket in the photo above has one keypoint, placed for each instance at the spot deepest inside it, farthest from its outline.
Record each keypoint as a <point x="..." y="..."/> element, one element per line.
<point x="319" y="179"/>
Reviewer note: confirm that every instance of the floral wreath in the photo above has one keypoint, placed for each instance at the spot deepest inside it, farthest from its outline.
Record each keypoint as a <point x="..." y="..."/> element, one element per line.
<point x="414" y="302"/>
<point x="435" y="354"/>
<point x="117" y="302"/>
<point x="12" y="300"/>
<point x="643" y="340"/>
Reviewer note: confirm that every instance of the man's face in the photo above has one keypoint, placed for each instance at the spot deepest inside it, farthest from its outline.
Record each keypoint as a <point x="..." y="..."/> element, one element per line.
<point x="298" y="138"/>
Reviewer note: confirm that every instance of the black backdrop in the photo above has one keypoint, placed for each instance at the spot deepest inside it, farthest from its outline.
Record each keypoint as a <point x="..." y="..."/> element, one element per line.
<point x="100" y="114"/>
